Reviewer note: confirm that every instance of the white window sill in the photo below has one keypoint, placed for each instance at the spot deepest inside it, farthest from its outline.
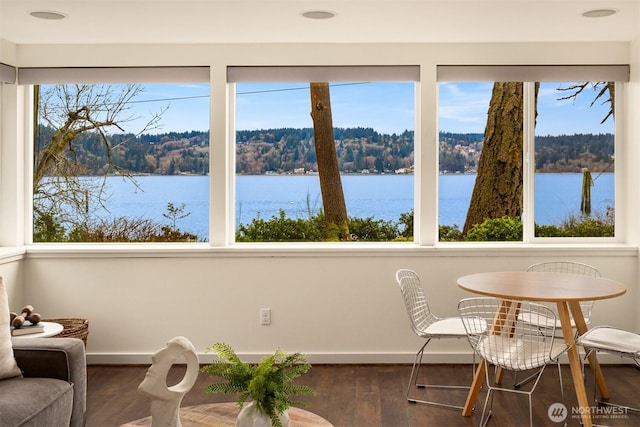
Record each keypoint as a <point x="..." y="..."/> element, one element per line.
<point x="204" y="250"/>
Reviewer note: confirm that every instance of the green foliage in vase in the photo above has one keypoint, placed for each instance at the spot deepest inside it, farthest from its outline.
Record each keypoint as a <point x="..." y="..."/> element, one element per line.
<point x="269" y="383"/>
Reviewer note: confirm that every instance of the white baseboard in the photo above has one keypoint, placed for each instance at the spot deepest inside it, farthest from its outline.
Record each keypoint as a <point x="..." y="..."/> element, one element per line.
<point x="314" y="358"/>
<point x="325" y="358"/>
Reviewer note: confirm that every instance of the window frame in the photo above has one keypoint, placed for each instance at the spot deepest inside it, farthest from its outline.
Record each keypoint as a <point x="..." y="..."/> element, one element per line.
<point x="529" y="175"/>
<point x="30" y="76"/>
<point x="529" y="75"/>
<point x="223" y="110"/>
<point x="306" y="74"/>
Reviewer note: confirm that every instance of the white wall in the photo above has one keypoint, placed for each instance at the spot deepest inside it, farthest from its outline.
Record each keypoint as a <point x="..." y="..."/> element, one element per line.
<point x="633" y="153"/>
<point x="11" y="268"/>
<point x="338" y="305"/>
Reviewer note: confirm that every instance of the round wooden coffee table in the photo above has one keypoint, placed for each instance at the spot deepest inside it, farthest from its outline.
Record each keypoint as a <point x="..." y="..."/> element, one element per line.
<point x="224" y="414"/>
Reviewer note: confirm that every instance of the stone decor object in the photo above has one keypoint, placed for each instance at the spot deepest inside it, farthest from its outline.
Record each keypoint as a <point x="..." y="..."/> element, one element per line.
<point x="165" y="401"/>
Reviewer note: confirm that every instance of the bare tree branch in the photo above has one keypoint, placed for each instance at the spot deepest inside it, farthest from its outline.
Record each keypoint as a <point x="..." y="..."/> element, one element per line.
<point x="603" y="89"/>
<point x="60" y="184"/>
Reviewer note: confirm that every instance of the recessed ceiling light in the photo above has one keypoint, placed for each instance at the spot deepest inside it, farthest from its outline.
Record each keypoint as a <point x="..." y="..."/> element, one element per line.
<point x="318" y="14"/>
<point x="47" y="14"/>
<point x="599" y="13"/>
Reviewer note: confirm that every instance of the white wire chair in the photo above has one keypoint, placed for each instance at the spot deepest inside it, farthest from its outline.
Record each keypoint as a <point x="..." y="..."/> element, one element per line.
<point x="569" y="267"/>
<point x="607" y="339"/>
<point x="510" y="343"/>
<point x="428" y="326"/>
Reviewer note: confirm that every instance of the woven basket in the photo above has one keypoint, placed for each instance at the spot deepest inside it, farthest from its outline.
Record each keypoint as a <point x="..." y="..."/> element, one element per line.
<point x="73" y="328"/>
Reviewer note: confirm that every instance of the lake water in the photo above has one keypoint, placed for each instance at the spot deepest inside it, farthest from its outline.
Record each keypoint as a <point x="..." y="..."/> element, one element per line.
<point x="379" y="196"/>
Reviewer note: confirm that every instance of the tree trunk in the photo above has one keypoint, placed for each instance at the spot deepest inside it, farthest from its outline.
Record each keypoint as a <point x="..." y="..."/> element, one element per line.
<point x="335" y="209"/>
<point x="498" y="188"/>
<point x="585" y="200"/>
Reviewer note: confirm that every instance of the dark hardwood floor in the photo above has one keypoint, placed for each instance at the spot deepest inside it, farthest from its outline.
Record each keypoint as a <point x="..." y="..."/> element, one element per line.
<point x="372" y="395"/>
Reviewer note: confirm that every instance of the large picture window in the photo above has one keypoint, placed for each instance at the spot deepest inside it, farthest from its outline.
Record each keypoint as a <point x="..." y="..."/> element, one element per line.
<point x="279" y="194"/>
<point x="525" y="154"/>
<point x="123" y="162"/>
<point x="527" y="160"/>
<point x="480" y="161"/>
<point x="574" y="192"/>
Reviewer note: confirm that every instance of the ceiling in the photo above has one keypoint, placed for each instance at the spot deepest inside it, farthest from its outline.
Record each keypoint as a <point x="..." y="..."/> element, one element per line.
<point x="355" y="21"/>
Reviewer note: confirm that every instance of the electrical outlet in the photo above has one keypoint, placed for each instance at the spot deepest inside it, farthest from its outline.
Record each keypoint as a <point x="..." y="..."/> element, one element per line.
<point x="265" y="316"/>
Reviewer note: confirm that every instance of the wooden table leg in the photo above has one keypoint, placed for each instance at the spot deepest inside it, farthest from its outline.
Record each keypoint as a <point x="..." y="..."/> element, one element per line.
<point x="581" y="327"/>
<point x="478" y="379"/>
<point x="508" y="313"/>
<point x="574" y="362"/>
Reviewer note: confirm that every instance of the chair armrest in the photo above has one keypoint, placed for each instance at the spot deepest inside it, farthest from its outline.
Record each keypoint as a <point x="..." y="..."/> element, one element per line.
<point x="61" y="358"/>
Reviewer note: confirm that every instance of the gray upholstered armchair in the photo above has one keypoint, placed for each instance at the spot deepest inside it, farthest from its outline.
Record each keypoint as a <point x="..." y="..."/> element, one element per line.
<point x="52" y="389"/>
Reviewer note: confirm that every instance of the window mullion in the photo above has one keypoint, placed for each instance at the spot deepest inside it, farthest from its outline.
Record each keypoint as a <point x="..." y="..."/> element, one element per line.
<point x="620" y="217"/>
<point x="528" y="161"/>
<point x="220" y="176"/>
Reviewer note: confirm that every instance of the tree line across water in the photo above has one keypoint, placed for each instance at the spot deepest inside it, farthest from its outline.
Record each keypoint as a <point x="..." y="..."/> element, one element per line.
<point x="291" y="150"/>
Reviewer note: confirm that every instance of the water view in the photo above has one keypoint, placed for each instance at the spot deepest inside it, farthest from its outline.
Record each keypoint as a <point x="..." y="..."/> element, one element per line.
<point x="380" y="196"/>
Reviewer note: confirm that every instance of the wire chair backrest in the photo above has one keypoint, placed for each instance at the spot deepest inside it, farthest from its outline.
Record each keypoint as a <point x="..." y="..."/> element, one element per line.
<point x="415" y="300"/>
<point x="510" y="342"/>
<point x="570" y="267"/>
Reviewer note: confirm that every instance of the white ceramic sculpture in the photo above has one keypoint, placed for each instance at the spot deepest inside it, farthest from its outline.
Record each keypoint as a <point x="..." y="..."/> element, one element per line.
<point x="165" y="401"/>
<point x="250" y="416"/>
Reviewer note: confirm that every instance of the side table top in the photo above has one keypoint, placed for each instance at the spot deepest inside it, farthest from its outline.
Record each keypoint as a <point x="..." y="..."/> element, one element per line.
<point x="50" y="329"/>
<point x="225" y="414"/>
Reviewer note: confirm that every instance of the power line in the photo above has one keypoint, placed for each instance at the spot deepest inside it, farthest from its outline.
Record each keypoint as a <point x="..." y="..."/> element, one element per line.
<point x="183" y="98"/>
<point x="298" y="88"/>
<point x="178" y="98"/>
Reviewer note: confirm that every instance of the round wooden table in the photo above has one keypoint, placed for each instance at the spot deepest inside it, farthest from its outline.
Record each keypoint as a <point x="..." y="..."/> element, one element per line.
<point x="224" y="414"/>
<point x="564" y="289"/>
<point x="541" y="286"/>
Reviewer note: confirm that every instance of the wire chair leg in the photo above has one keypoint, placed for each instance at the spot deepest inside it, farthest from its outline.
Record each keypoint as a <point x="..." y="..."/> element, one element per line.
<point x="533" y="376"/>
<point x="413" y="379"/>
<point x="606" y="403"/>
<point x="560" y="379"/>
<point x="488" y="401"/>
<point x="519" y="384"/>
<point x="487" y="410"/>
<point x="413" y="382"/>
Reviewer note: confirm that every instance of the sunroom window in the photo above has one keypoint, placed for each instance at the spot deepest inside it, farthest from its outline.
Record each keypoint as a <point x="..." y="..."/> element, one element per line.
<point x="480" y="161"/>
<point x="279" y="187"/>
<point x="574" y="192"/>
<point x="120" y="155"/>
<point x="555" y="180"/>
